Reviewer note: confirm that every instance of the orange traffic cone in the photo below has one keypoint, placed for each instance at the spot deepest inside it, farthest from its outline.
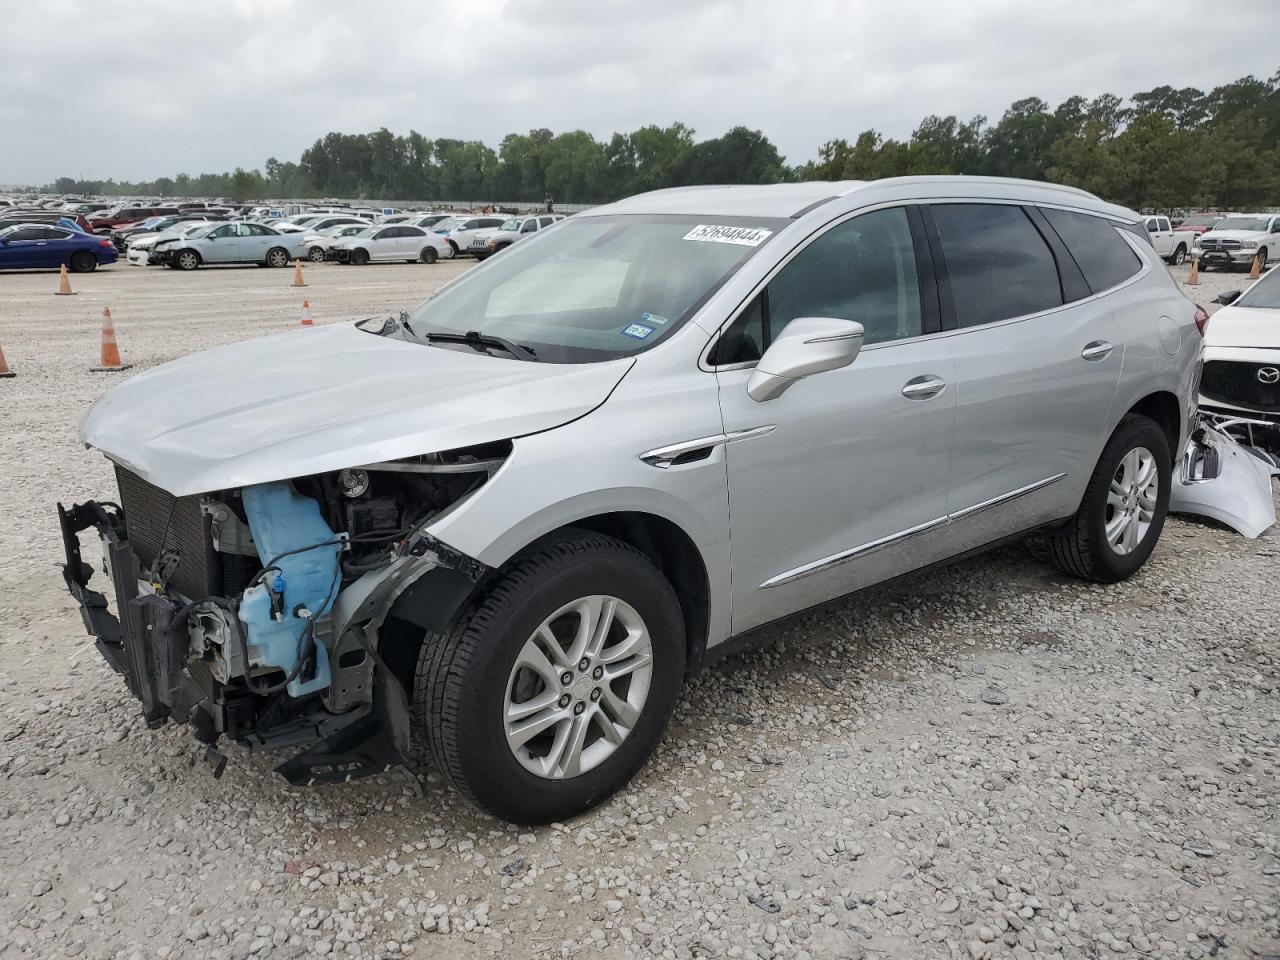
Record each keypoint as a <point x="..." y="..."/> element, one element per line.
<point x="1256" y="270"/>
<point x="297" y="274"/>
<point x="64" y="283"/>
<point x="4" y="367"/>
<point x="306" y="314"/>
<point x="110" y="352"/>
<point x="1194" y="279"/>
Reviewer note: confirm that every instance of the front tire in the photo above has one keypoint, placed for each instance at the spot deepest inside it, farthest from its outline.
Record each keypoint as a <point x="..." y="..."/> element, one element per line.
<point x="277" y="257"/>
<point x="491" y="697"/>
<point x="1124" y="506"/>
<point x="1180" y="256"/>
<point x="82" y="261"/>
<point x="187" y="260"/>
<point x="1262" y="259"/>
<point x="359" y="257"/>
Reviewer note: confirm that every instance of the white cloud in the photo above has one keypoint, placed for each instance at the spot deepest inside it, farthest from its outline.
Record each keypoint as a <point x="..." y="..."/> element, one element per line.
<point x="148" y="88"/>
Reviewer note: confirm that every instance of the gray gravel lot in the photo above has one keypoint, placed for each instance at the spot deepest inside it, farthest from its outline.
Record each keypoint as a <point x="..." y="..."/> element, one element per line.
<point x="991" y="761"/>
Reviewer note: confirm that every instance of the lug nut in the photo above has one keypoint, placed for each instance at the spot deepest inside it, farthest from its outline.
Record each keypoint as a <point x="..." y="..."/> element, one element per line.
<point x="583" y="664"/>
<point x="566" y="678"/>
<point x="578" y="708"/>
<point x="595" y="694"/>
<point x="564" y="701"/>
<point x="597" y="673"/>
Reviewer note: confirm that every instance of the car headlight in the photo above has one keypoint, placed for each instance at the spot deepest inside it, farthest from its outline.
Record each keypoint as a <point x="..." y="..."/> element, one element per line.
<point x="1249" y="245"/>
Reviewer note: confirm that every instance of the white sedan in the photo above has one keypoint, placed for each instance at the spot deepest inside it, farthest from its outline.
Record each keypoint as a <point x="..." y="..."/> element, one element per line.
<point x="319" y="241"/>
<point x="396" y="242"/>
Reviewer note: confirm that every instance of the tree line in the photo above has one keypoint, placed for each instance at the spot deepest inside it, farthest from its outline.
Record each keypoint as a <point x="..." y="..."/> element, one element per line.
<point x="1165" y="148"/>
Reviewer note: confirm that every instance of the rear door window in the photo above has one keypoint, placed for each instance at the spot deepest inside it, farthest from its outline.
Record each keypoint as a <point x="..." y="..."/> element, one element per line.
<point x="999" y="265"/>
<point x="1101" y="253"/>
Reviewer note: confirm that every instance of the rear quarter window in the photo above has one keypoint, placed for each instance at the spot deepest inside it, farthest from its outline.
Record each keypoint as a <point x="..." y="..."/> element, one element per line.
<point x="1101" y="253"/>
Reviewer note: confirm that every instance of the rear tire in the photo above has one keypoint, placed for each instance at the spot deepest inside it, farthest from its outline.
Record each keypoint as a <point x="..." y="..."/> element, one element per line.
<point x="1088" y="546"/>
<point x="429" y="255"/>
<point x="469" y="681"/>
<point x="82" y="261"/>
<point x="359" y="257"/>
<point x="1262" y="259"/>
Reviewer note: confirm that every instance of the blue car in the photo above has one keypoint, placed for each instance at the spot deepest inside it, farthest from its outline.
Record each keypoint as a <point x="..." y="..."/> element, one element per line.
<point x="32" y="245"/>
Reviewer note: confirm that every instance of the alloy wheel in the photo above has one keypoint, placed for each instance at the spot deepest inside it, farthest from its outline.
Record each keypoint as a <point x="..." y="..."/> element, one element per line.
<point x="1131" y="500"/>
<point x="578" y="687"/>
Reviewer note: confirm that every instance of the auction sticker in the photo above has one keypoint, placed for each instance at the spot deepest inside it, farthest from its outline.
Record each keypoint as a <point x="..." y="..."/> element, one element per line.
<point x="742" y="236"/>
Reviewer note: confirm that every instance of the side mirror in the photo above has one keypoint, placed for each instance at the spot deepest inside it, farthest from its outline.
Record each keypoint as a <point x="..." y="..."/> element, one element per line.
<point x="807" y="345"/>
<point x="1230" y="296"/>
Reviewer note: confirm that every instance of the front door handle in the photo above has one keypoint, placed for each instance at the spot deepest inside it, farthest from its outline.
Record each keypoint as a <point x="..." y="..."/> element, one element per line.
<point x="1097" y="350"/>
<point x="922" y="388"/>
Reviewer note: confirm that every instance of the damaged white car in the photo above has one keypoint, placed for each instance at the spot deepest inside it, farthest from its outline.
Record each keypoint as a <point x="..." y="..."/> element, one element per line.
<point x="505" y="527"/>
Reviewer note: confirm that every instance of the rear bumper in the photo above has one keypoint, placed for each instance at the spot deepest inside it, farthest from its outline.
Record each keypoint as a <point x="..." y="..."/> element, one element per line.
<point x="146" y="642"/>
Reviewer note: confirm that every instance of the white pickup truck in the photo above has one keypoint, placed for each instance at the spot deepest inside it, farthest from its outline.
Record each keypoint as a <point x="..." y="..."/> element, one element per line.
<point x="1174" y="245"/>
<point x="1239" y="238"/>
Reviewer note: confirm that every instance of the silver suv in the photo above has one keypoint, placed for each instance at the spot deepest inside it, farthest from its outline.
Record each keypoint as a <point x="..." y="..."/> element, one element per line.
<point x="503" y="529"/>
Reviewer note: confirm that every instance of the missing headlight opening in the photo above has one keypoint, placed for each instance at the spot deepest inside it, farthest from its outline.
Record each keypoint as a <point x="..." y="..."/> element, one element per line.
<point x="254" y="613"/>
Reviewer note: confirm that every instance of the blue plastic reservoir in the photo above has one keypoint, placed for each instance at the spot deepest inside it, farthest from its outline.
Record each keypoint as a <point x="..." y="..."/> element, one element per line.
<point x="283" y="521"/>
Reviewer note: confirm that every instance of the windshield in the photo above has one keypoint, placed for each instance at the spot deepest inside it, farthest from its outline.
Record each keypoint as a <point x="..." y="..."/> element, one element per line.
<point x="599" y="287"/>
<point x="1265" y="293"/>
<point x="447" y="224"/>
<point x="510" y="225"/>
<point x="1201" y="220"/>
<point x="1254" y="224"/>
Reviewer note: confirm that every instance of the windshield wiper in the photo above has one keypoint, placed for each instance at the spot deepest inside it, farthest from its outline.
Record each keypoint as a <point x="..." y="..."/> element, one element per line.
<point x="474" y="338"/>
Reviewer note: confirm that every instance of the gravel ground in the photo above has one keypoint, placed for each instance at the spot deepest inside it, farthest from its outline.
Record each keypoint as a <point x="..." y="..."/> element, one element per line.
<point x="995" y="761"/>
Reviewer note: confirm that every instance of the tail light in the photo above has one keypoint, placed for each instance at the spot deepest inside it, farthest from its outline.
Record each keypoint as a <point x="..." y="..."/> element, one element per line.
<point x="107" y="243"/>
<point x="1202" y="319"/>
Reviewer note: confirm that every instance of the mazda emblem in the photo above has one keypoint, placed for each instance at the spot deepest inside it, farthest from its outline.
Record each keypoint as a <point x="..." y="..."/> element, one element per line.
<point x="1268" y="375"/>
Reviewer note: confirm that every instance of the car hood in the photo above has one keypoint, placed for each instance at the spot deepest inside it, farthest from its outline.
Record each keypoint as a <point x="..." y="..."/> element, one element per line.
<point x="1233" y="235"/>
<point x="1244" y="327"/>
<point x="325" y="398"/>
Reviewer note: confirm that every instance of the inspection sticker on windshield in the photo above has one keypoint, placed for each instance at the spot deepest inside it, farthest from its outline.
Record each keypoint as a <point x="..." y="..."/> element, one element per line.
<point x="637" y="331"/>
<point x="654" y="318"/>
<point x="742" y="236"/>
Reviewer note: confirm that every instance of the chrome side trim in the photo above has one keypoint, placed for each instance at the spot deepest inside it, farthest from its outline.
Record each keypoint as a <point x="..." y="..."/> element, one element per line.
<point x="662" y="457"/>
<point x="1005" y="497"/>
<point x="814" y="566"/>
<point x="846" y="555"/>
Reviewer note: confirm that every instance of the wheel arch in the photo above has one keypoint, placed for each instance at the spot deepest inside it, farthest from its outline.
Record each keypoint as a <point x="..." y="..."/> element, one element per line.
<point x="1163" y="407"/>
<point x="433" y="603"/>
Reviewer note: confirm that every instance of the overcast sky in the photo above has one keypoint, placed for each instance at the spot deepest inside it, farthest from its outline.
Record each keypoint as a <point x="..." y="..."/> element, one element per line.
<point x="140" y="89"/>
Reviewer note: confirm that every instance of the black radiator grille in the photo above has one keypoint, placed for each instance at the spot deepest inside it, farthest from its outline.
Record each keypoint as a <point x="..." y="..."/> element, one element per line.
<point x="1237" y="382"/>
<point x="156" y="520"/>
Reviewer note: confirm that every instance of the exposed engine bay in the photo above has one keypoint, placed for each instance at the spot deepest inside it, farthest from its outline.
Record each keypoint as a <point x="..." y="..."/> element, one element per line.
<point x="253" y="613"/>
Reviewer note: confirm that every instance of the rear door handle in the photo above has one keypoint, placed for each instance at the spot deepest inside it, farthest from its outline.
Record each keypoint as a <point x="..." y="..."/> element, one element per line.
<point x="922" y="388"/>
<point x="1097" y="350"/>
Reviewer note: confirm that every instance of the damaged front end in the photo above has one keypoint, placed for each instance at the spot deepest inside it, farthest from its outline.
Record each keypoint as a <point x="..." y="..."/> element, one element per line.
<point x="254" y="613"/>
<point x="1223" y="479"/>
